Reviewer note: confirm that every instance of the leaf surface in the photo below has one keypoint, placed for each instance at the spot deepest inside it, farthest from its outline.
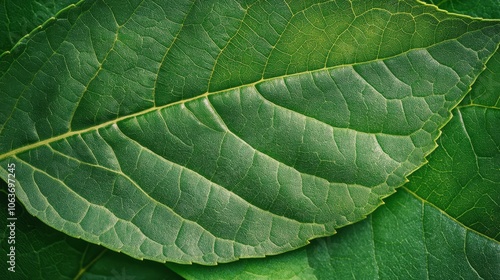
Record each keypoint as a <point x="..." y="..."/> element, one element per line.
<point x="443" y="224"/>
<point x="467" y="164"/>
<point x="462" y="177"/>
<point x="406" y="238"/>
<point x="208" y="131"/>
<point x="19" y="19"/>
<point x="476" y="8"/>
<point x="44" y="253"/>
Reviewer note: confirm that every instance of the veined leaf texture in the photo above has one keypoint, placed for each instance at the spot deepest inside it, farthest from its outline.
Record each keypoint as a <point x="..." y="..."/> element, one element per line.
<point x="208" y="131"/>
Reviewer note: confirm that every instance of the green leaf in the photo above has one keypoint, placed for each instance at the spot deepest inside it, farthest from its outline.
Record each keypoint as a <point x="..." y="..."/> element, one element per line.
<point x="40" y="252"/>
<point x="476" y="8"/>
<point x="119" y="266"/>
<point x="407" y="238"/>
<point x="208" y="131"/>
<point x="17" y="20"/>
<point x="43" y="253"/>
<point x="487" y="87"/>
<point x="443" y="224"/>
<point x="466" y="168"/>
<point x="463" y="177"/>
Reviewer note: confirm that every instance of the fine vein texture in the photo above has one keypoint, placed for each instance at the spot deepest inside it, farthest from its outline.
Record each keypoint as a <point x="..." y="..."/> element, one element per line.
<point x="214" y="130"/>
<point x="44" y="253"/>
<point x="405" y="239"/>
<point x="409" y="237"/>
<point x="468" y="169"/>
<point x="486" y="90"/>
<point x="447" y="229"/>
<point x="116" y="266"/>
<point x="40" y="252"/>
<point x="467" y="164"/>
<point x="20" y="18"/>
<point x="476" y="8"/>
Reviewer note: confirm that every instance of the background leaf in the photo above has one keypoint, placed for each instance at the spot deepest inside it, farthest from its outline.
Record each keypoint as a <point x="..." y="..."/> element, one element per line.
<point x="127" y="141"/>
<point x="406" y="238"/>
<point x="486" y="88"/>
<point x="468" y="165"/>
<point x="462" y="177"/>
<point x="477" y="8"/>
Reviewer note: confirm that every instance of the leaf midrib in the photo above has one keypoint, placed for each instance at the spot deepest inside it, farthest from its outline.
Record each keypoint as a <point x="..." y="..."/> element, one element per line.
<point x="206" y="94"/>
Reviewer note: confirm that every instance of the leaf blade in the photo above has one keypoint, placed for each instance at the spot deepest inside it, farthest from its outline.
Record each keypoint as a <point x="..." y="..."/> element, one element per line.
<point x="416" y="233"/>
<point x="195" y="165"/>
<point x="18" y="21"/>
<point x="405" y="237"/>
<point x="44" y="253"/>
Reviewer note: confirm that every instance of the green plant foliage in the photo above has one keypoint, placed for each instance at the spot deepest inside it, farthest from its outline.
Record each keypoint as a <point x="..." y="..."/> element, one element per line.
<point x="406" y="238"/>
<point x="462" y="176"/>
<point x="476" y="8"/>
<point x="20" y="18"/>
<point x="43" y="253"/>
<point x="209" y="131"/>
<point x="443" y="224"/>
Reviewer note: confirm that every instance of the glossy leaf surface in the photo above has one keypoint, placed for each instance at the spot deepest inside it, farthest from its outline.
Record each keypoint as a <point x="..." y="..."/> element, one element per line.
<point x="208" y="131"/>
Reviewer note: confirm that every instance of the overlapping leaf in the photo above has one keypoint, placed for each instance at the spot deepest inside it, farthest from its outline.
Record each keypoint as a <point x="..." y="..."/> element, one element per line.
<point x="209" y="131"/>
<point x="406" y="238"/>
<point x="476" y="8"/>
<point x="443" y="224"/>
